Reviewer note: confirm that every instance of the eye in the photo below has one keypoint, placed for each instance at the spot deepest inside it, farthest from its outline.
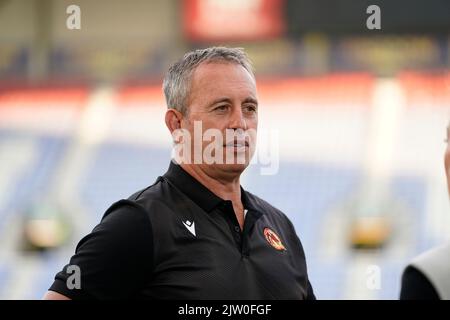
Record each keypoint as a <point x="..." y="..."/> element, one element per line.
<point x="221" y="108"/>
<point x="250" y="108"/>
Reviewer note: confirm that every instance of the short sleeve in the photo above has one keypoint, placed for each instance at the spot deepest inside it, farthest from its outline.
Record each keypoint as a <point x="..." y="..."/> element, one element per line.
<point x="115" y="260"/>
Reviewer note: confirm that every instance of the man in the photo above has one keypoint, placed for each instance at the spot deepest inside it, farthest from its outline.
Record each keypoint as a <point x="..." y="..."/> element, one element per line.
<point x="196" y="233"/>
<point x="427" y="277"/>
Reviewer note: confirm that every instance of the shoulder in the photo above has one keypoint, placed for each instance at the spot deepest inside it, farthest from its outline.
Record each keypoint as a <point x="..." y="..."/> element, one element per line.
<point x="140" y="206"/>
<point x="114" y="258"/>
<point x="278" y="221"/>
<point x="268" y="209"/>
<point x="127" y="220"/>
<point x="124" y="224"/>
<point x="274" y="217"/>
<point x="159" y="196"/>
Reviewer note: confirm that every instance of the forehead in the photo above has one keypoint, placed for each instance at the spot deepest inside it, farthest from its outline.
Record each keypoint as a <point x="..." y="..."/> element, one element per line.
<point x="215" y="76"/>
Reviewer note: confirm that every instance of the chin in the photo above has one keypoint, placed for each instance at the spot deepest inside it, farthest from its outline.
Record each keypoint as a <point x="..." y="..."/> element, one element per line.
<point x="232" y="168"/>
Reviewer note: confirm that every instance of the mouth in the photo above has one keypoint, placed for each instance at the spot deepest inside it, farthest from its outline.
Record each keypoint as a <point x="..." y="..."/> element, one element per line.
<point x="236" y="144"/>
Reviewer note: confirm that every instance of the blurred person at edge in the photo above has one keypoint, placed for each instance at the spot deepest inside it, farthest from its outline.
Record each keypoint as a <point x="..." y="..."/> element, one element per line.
<point x="195" y="233"/>
<point x="427" y="277"/>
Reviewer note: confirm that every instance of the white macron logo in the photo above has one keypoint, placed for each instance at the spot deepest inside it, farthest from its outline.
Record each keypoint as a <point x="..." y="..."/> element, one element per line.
<point x="190" y="225"/>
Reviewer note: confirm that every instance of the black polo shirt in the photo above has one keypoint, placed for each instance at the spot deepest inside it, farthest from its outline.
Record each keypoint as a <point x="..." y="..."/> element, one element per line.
<point x="178" y="240"/>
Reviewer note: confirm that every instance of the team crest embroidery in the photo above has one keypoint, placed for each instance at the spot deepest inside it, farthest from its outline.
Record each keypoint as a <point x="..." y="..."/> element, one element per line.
<point x="273" y="239"/>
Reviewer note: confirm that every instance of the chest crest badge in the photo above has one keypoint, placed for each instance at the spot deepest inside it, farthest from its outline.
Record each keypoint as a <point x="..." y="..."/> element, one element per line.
<point x="273" y="239"/>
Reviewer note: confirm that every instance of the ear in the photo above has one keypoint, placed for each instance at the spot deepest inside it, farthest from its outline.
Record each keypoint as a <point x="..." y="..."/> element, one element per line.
<point x="173" y="119"/>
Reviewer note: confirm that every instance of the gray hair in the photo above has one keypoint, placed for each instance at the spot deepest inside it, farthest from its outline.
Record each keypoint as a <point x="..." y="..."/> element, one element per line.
<point x="177" y="82"/>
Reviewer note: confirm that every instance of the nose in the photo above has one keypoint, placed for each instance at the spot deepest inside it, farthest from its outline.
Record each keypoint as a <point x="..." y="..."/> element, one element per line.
<point x="237" y="120"/>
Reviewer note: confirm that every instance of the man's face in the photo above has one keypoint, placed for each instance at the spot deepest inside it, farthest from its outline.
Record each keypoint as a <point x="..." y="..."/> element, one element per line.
<point x="223" y="97"/>
<point x="447" y="159"/>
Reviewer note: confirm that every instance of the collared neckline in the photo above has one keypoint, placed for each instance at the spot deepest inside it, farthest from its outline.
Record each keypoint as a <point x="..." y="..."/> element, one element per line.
<point x="200" y="194"/>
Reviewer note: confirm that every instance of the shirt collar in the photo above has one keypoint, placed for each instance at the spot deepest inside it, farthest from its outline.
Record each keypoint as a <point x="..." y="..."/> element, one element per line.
<point x="197" y="192"/>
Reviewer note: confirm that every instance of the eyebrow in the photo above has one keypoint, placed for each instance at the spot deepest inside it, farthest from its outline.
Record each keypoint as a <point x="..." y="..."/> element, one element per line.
<point x="251" y="100"/>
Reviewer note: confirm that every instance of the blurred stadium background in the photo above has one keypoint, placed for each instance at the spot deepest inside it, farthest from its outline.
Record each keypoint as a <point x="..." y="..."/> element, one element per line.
<point x="361" y="116"/>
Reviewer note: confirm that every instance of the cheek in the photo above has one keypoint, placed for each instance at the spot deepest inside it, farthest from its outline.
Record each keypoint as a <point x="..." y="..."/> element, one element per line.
<point x="216" y="123"/>
<point x="252" y="124"/>
<point x="193" y="123"/>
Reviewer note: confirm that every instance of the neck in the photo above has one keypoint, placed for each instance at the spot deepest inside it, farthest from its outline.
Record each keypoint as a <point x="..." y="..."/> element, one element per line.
<point x="224" y="186"/>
